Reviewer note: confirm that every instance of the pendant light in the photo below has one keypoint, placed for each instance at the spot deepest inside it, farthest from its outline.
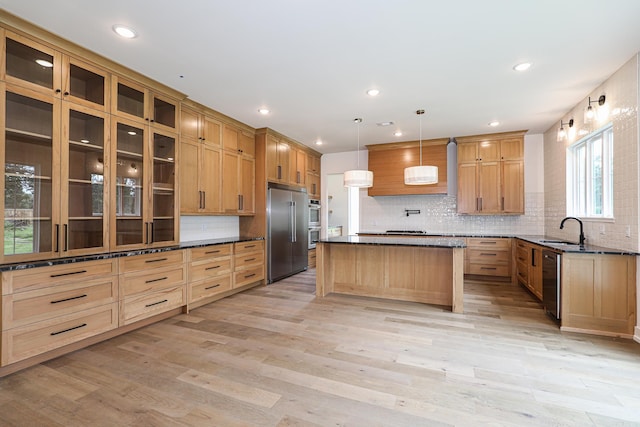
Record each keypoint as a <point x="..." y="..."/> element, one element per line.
<point x="421" y="175"/>
<point x="358" y="178"/>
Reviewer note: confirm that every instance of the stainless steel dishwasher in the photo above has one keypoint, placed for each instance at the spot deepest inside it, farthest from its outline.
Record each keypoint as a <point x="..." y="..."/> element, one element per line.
<point x="551" y="262"/>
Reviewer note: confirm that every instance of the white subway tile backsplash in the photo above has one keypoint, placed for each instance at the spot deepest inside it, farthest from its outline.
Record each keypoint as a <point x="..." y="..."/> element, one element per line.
<point x="194" y="228"/>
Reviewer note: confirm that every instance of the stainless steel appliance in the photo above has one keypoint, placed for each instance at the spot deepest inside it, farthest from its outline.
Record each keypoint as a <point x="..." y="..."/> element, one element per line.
<point x="314" y="213"/>
<point x="314" y="236"/>
<point x="551" y="283"/>
<point x="287" y="244"/>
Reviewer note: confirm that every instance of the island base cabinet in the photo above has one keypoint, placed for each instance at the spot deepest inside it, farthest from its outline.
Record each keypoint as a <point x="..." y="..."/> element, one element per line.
<point x="428" y="275"/>
<point x="598" y="294"/>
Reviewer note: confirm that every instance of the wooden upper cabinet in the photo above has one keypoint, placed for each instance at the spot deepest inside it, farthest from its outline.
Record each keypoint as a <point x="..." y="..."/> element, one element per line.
<point x="247" y="144"/>
<point x="297" y="167"/>
<point x="134" y="101"/>
<point x="388" y="161"/>
<point x="278" y="157"/>
<point x="313" y="164"/>
<point x="491" y="173"/>
<point x="33" y="65"/>
<point x="230" y="136"/>
<point x="199" y="126"/>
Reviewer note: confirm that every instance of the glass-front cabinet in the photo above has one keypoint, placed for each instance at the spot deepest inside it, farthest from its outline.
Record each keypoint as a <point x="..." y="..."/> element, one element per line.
<point x="31" y="183"/>
<point x="144" y="198"/>
<point x="135" y="102"/>
<point x="36" y="66"/>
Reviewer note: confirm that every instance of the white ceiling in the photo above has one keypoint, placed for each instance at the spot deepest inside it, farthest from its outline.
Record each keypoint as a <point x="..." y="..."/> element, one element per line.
<point x="311" y="61"/>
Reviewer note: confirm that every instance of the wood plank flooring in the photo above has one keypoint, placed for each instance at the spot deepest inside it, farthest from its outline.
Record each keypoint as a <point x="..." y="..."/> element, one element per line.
<point x="277" y="356"/>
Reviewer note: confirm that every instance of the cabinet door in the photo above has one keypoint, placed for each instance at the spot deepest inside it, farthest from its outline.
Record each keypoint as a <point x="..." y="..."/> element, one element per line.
<point x="301" y="168"/>
<point x="230" y="183"/>
<point x="513" y="186"/>
<point x="488" y="151"/>
<point x="164" y="223"/>
<point x="247" y="179"/>
<point x="313" y="186"/>
<point x="190" y="124"/>
<point x="467" y="188"/>
<point x="85" y="84"/>
<point x="274" y="170"/>
<point x="210" y="178"/>
<point x="31" y="184"/>
<point x="313" y="164"/>
<point x="467" y="153"/>
<point x="489" y="187"/>
<point x="163" y="112"/>
<point x="85" y="177"/>
<point x="190" y="191"/>
<point x="535" y="272"/>
<point x="512" y="149"/>
<point x="32" y="65"/>
<point x="129" y="100"/>
<point x="230" y="138"/>
<point x="247" y="144"/>
<point x="128" y="186"/>
<point x="211" y="131"/>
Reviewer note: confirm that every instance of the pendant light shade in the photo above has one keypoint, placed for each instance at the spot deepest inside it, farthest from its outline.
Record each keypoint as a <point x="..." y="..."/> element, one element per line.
<point x="358" y="178"/>
<point x="421" y="175"/>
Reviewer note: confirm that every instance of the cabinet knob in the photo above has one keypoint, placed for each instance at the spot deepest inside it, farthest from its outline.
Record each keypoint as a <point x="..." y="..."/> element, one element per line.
<point x="66" y="94"/>
<point x="58" y="91"/>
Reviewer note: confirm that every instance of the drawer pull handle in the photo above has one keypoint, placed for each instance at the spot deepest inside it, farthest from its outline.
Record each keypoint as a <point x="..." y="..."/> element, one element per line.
<point x="156" y="303"/>
<point x="68" y="274"/>
<point x="488" y="268"/>
<point x="212" y="287"/>
<point x="250" y="275"/>
<point x="156" y="280"/>
<point x="488" y="254"/>
<point x="212" y="252"/>
<point x="249" y="259"/>
<point x="488" y="243"/>
<point x="68" y="299"/>
<point x="212" y="268"/>
<point x="67" y="330"/>
<point x="250" y="246"/>
<point x="156" y="260"/>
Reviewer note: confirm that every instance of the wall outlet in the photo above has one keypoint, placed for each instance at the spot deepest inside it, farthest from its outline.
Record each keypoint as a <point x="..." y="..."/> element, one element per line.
<point x="627" y="231"/>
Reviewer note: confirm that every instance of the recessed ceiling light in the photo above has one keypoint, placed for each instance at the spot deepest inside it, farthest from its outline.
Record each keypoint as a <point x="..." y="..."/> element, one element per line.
<point x="44" y="63"/>
<point x="384" y="123"/>
<point x="318" y="142"/>
<point x="523" y="66"/>
<point x="264" y="111"/>
<point x="494" y="123"/>
<point x="397" y="133"/>
<point x="124" y="31"/>
<point x="373" y="92"/>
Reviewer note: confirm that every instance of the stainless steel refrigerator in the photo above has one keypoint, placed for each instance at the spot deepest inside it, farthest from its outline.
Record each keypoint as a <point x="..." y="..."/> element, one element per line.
<point x="287" y="235"/>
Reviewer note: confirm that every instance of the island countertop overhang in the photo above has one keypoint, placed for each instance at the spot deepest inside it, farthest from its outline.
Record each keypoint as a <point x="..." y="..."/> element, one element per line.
<point x="434" y="242"/>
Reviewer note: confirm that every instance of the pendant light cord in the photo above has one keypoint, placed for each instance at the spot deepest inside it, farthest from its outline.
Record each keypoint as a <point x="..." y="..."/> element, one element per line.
<point x="358" y="121"/>
<point x="420" y="113"/>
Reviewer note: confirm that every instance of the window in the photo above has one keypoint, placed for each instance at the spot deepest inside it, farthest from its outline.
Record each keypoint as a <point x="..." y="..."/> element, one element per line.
<point x="590" y="175"/>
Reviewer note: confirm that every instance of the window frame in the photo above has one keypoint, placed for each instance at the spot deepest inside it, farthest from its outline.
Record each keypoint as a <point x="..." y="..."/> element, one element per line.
<point x="580" y="175"/>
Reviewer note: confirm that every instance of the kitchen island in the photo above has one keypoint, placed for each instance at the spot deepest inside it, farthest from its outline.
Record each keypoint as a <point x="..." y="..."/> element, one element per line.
<point x="426" y="270"/>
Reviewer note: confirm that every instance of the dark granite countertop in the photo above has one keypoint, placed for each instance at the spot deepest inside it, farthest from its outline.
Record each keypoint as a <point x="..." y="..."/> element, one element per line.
<point x="546" y="241"/>
<point x="435" y="241"/>
<point x="110" y="255"/>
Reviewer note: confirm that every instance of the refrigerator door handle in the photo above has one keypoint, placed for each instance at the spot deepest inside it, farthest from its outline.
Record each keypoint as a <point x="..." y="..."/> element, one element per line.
<point x="294" y="236"/>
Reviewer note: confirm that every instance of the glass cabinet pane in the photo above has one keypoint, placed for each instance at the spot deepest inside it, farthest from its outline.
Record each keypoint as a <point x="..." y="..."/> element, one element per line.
<point x="129" y="184"/>
<point x="85" y="84"/>
<point x="163" y="187"/>
<point x="130" y="101"/>
<point x="164" y="112"/>
<point x="26" y="63"/>
<point x="85" y="181"/>
<point x="28" y="175"/>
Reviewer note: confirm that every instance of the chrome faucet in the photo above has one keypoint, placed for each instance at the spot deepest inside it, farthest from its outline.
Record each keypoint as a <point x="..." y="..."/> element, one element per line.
<point x="581" y="229"/>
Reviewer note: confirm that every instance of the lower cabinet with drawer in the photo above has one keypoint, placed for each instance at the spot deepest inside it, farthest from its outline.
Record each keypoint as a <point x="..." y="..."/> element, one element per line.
<point x="529" y="267"/>
<point x="488" y="257"/>
<point x="248" y="263"/>
<point x="210" y="273"/>
<point x="151" y="284"/>
<point x="46" y="308"/>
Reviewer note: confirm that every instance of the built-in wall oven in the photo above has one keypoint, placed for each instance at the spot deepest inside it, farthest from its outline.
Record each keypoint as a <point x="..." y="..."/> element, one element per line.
<point x="314" y="236"/>
<point x="314" y="213"/>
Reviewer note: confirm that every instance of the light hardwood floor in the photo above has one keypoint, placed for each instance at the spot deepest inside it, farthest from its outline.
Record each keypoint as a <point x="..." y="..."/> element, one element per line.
<point x="277" y="356"/>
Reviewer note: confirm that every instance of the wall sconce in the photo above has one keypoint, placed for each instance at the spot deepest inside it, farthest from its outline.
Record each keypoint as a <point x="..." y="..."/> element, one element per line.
<point x="562" y="134"/>
<point x="590" y="113"/>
